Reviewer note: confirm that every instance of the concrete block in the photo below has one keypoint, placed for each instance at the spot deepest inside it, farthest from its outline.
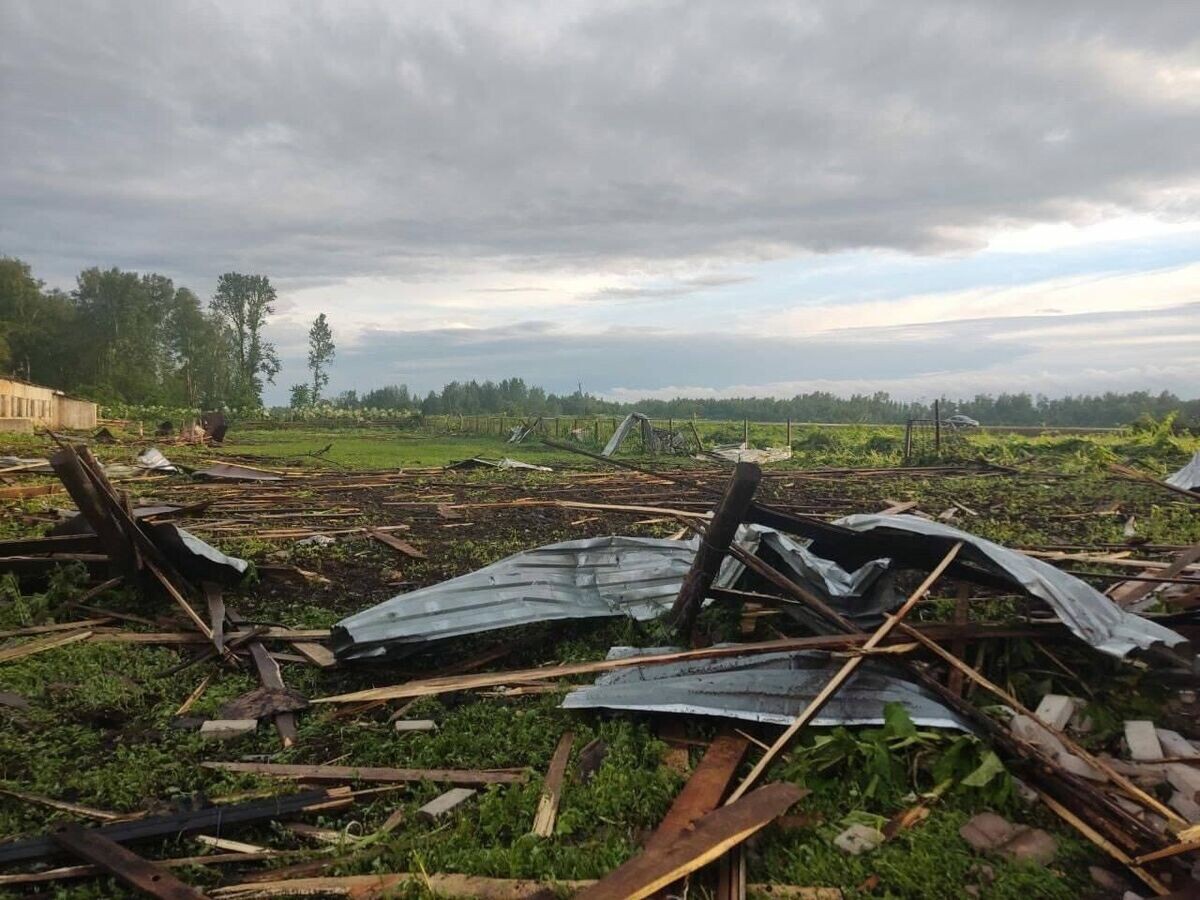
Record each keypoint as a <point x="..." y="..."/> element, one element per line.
<point x="987" y="831"/>
<point x="1186" y="806"/>
<point x="225" y="729"/>
<point x="1185" y="779"/>
<point x="859" y="839"/>
<point x="1025" y="728"/>
<point x="1142" y="740"/>
<point x="440" y="806"/>
<point x="1056" y="710"/>
<point x="416" y="725"/>
<point x="1175" y="744"/>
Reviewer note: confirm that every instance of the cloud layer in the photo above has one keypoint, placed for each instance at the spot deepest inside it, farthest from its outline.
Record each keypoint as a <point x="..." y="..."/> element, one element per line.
<point x="647" y="196"/>
<point x="355" y="138"/>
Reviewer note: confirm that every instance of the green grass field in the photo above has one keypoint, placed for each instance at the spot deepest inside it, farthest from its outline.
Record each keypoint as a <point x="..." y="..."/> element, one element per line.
<point x="100" y="729"/>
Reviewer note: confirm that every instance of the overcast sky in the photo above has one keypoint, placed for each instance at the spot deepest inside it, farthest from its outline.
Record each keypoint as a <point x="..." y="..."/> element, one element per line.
<point x="650" y="198"/>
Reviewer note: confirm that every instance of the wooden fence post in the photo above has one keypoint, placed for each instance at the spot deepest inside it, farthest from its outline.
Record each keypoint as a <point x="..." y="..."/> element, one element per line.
<point x="718" y="535"/>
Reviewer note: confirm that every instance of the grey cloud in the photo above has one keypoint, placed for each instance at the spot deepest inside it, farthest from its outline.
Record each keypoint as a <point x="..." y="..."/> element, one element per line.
<point x="326" y="140"/>
<point x="680" y="288"/>
<point x="627" y="360"/>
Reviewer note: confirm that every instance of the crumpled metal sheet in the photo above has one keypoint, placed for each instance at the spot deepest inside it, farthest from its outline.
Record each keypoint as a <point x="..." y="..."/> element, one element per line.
<point x="27" y="464"/>
<point x="234" y="472"/>
<point x="741" y="453"/>
<point x="862" y="595"/>
<point x="153" y="460"/>
<point x="589" y="578"/>
<point x="1092" y="616"/>
<point x="479" y="462"/>
<point x="622" y="432"/>
<point x="593" y="577"/>
<point x="195" y="558"/>
<point x="1188" y="477"/>
<point x="769" y="687"/>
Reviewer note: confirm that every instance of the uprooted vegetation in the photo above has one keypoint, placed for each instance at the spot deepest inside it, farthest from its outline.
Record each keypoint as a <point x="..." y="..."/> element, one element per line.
<point x="98" y="723"/>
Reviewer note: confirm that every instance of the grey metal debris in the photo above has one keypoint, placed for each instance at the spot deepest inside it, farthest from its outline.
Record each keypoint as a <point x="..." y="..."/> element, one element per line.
<point x="736" y="453"/>
<point x="1187" y="478"/>
<point x="193" y="557"/>
<point x="1092" y="616"/>
<point x="234" y="472"/>
<point x="480" y="462"/>
<point x="655" y="439"/>
<point x="589" y="578"/>
<point x="863" y="595"/>
<point x="152" y="460"/>
<point x="770" y="687"/>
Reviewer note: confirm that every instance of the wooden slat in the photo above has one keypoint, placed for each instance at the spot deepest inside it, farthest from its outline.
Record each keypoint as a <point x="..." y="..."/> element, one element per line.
<point x="711" y="836"/>
<point x="40" y="645"/>
<point x="371" y="773"/>
<point x="401" y="546"/>
<point x="547" y="810"/>
<point x="138" y="873"/>
<point x="433" y="686"/>
<point x="704" y="790"/>
<point x="216" y="612"/>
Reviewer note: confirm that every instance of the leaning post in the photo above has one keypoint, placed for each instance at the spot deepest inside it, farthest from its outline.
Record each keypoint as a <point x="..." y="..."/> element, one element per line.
<point x="718" y="535"/>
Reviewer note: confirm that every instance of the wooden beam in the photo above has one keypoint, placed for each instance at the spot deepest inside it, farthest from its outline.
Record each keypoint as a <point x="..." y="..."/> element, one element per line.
<point x="174" y="824"/>
<point x="40" y="645"/>
<point x="371" y="773"/>
<point x="714" y="545"/>
<point x="443" y="685"/>
<point x="547" y="810"/>
<point x="842" y="675"/>
<point x="400" y="546"/>
<point x="138" y="873"/>
<point x="704" y="790"/>
<point x="711" y="836"/>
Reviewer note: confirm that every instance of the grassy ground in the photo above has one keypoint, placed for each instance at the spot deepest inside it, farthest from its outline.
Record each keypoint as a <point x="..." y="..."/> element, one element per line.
<point x="100" y="729"/>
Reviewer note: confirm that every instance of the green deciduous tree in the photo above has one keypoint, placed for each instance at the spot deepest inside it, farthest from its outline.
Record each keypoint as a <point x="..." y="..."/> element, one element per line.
<point x="243" y="302"/>
<point x="320" y="354"/>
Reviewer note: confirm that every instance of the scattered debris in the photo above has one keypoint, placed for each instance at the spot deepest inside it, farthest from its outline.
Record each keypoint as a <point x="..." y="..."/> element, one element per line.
<point x="991" y="832"/>
<point x="859" y="839"/>
<point x="479" y="462"/>
<point x="769" y="687"/>
<point x="446" y="803"/>
<point x="411" y="725"/>
<point x="227" y="729"/>
<point x="1188" y="477"/>
<point x="152" y="460"/>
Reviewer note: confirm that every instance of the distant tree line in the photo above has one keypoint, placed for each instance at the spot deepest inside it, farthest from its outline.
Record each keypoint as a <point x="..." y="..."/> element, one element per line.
<point x="124" y="337"/>
<point x="513" y="397"/>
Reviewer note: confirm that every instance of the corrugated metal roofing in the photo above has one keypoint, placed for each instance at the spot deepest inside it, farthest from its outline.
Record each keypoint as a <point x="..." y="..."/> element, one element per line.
<point x="1092" y="616"/>
<point x="773" y="688"/>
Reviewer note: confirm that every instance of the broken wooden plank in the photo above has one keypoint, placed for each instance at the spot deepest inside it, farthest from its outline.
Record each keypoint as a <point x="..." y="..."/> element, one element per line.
<point x="25" y="491"/>
<point x="271" y="677"/>
<point x="704" y="790"/>
<point x="316" y="654"/>
<point x="547" y="809"/>
<point x="718" y="535"/>
<point x="216" y="612"/>
<point x="40" y="645"/>
<point x="711" y="836"/>
<point x="139" y="873"/>
<point x="78" y="809"/>
<point x="442" y="685"/>
<point x="185" y="822"/>
<point x="64" y="873"/>
<point x="372" y="773"/>
<point x="444" y="804"/>
<point x="400" y="546"/>
<point x="453" y="885"/>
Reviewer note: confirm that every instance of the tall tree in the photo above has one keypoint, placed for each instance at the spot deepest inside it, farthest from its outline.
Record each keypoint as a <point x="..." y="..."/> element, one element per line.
<point x="243" y="302"/>
<point x="320" y="353"/>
